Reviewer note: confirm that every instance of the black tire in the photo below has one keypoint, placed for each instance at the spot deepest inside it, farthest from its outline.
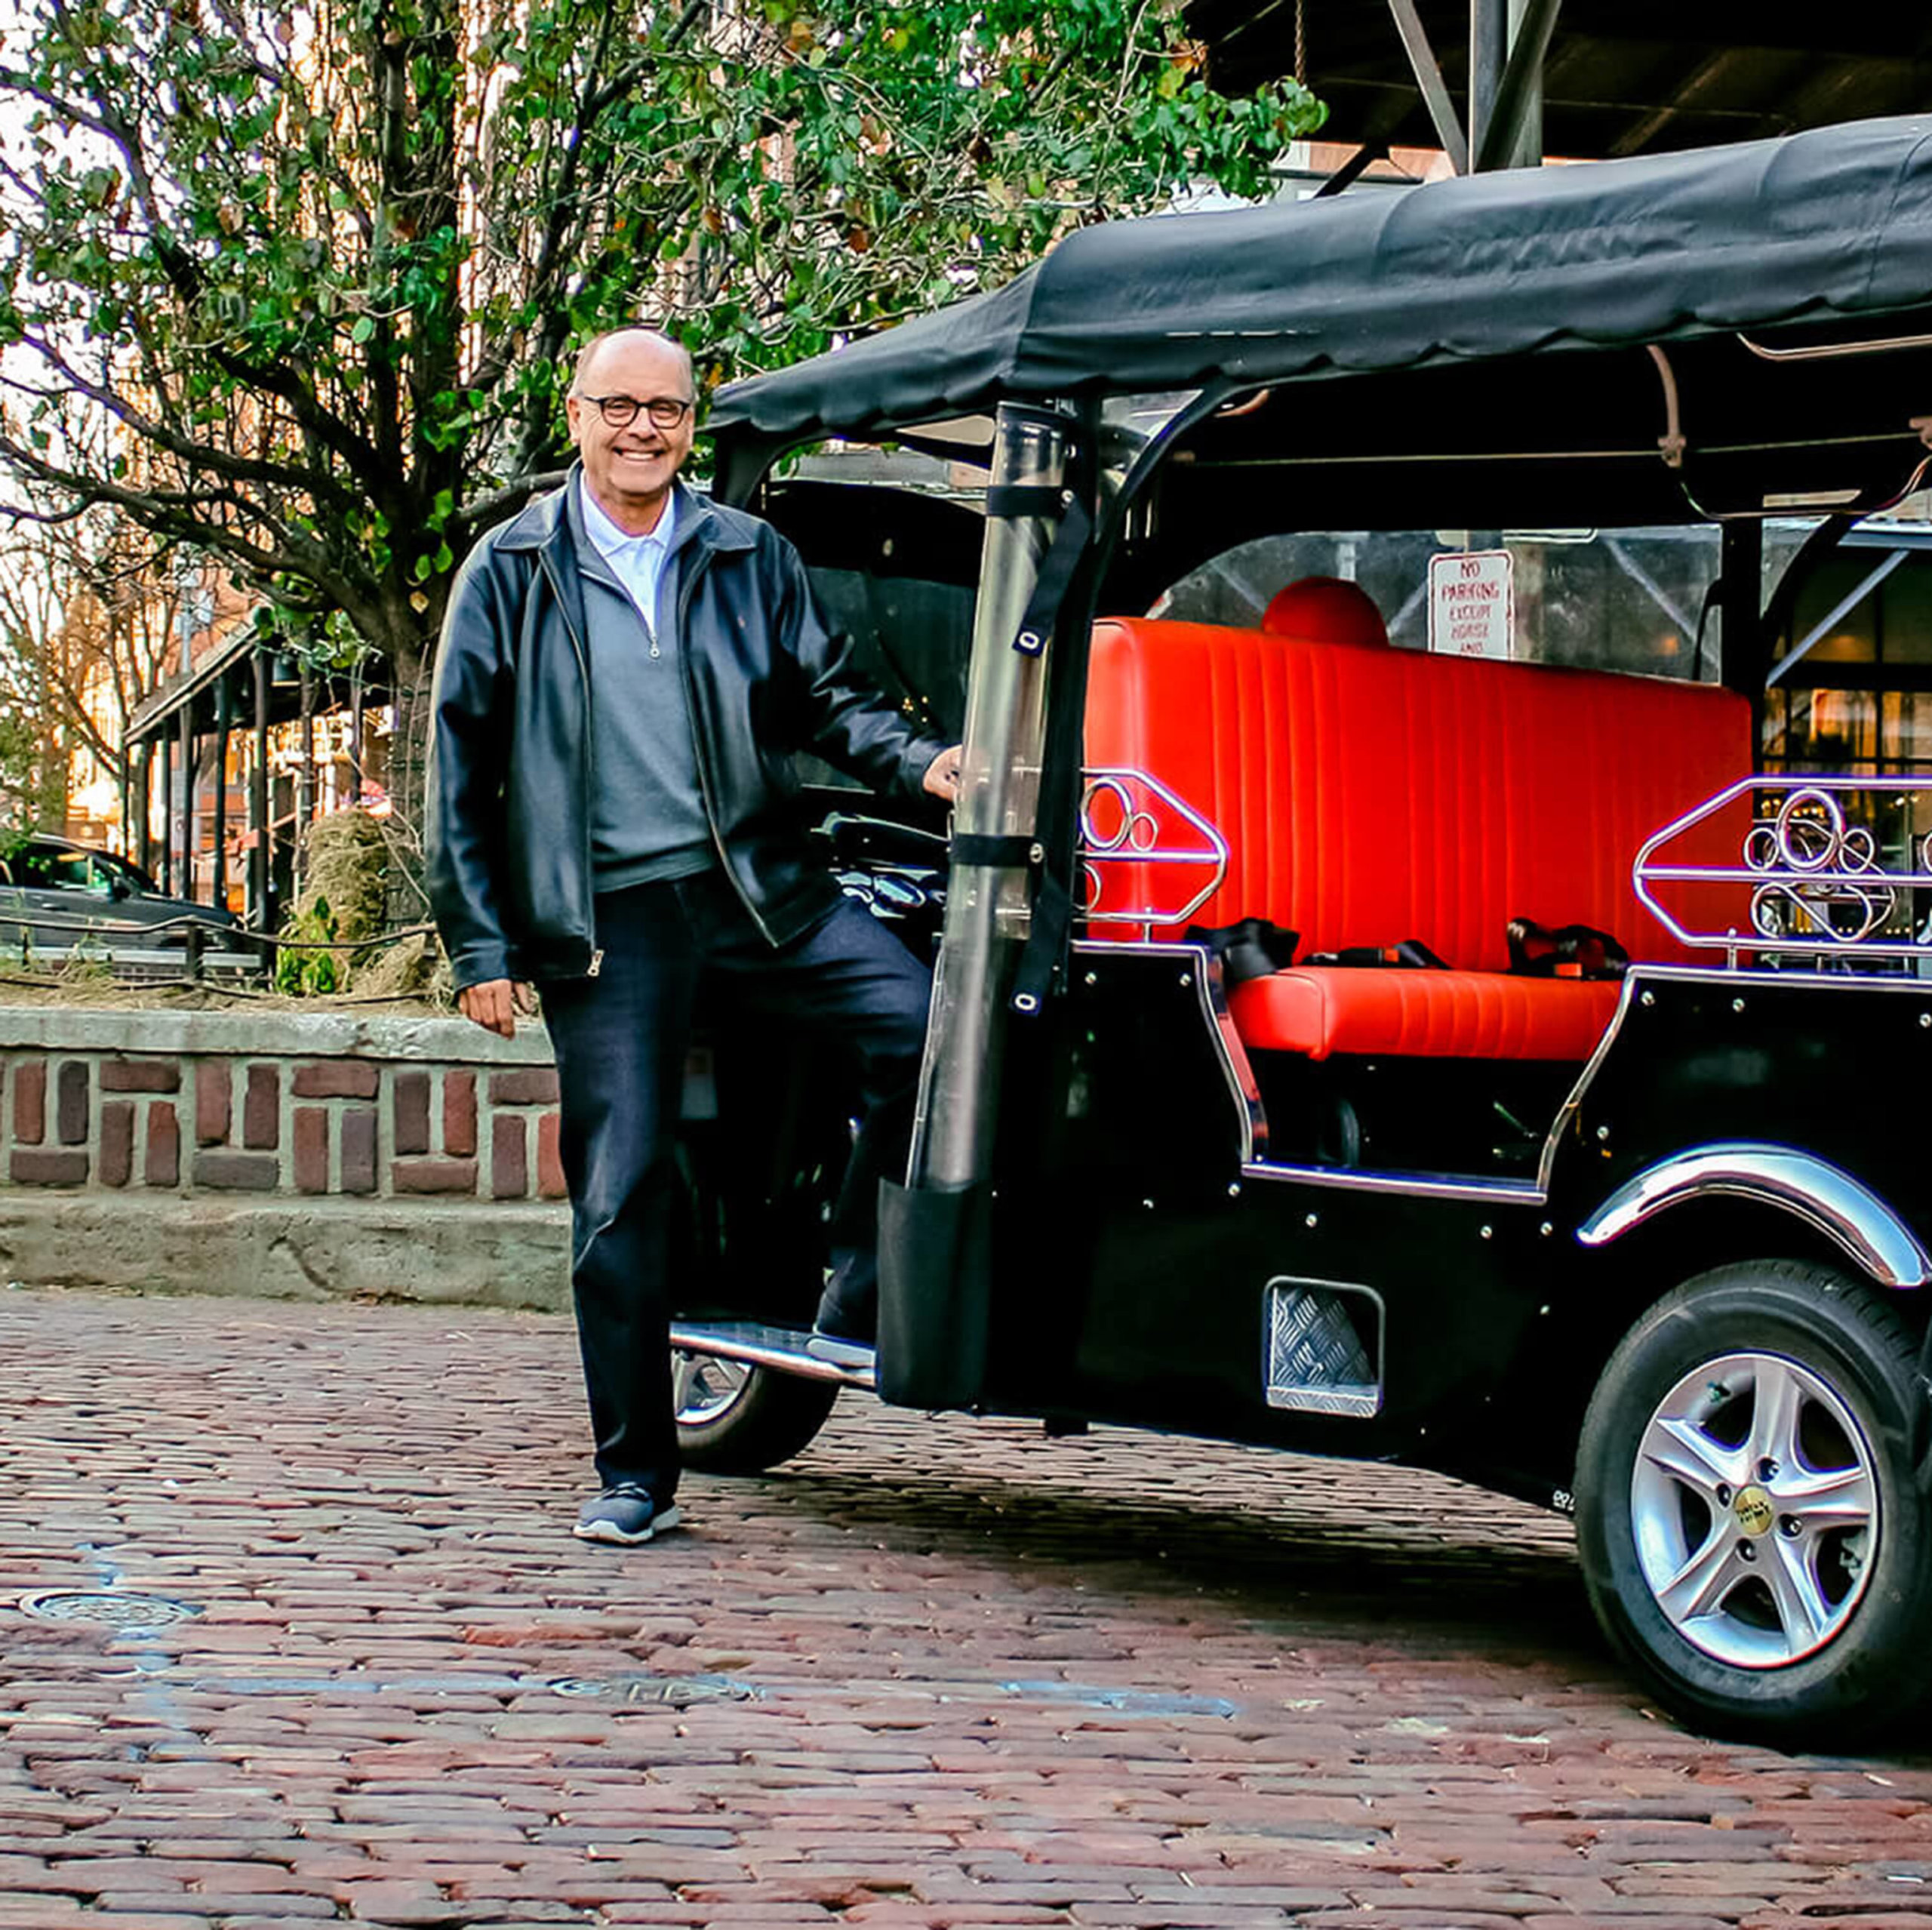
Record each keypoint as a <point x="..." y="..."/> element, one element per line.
<point x="737" y="1420"/>
<point x="1796" y="1353"/>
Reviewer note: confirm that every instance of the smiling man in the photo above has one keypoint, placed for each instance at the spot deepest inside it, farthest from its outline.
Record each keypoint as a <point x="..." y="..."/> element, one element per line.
<point x="626" y="671"/>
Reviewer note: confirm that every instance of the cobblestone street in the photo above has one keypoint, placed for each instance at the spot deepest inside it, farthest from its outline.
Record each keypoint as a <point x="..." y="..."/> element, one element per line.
<point x="933" y="1672"/>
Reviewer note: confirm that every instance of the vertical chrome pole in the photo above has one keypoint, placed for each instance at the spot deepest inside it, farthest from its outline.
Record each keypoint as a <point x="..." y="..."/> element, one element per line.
<point x="987" y="908"/>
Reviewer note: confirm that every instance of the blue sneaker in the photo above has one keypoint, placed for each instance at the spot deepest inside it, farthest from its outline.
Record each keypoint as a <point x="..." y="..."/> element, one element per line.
<point x="625" y="1514"/>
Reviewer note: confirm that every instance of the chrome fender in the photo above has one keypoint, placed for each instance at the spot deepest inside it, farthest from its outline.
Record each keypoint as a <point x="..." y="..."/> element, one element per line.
<point x="1820" y="1194"/>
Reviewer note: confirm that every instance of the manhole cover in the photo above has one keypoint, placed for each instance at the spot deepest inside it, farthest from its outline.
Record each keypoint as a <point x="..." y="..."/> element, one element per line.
<point x="118" y="1610"/>
<point x="677" y="1691"/>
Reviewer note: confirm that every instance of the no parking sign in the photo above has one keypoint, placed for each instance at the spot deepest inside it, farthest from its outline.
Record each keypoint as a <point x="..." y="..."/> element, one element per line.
<point x="1472" y="603"/>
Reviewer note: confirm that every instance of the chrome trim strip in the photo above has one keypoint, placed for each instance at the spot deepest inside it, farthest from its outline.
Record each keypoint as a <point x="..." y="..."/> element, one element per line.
<point x="1824" y="1197"/>
<point x="1546" y="1165"/>
<point x="1420" y="1185"/>
<point x="1212" y="994"/>
<point x="781" y="1348"/>
<point x="1726" y="978"/>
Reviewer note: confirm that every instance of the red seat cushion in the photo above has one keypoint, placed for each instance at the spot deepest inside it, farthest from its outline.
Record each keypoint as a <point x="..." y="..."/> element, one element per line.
<point x="1321" y="1009"/>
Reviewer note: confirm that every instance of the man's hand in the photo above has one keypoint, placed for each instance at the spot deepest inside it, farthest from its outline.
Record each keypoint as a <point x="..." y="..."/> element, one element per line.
<point x="942" y="777"/>
<point x="494" y="1005"/>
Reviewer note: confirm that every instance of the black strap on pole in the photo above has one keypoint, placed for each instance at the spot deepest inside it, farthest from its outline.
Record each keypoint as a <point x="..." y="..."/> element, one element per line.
<point x="1056" y="569"/>
<point x="1061" y="578"/>
<point x="1027" y="499"/>
<point x="976" y="847"/>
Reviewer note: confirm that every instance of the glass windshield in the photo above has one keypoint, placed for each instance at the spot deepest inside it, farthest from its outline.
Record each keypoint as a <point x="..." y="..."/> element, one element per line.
<point x="1624" y="599"/>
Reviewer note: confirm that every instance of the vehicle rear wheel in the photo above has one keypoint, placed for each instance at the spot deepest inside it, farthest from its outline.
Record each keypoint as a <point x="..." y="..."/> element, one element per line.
<point x="737" y="1419"/>
<point x="1752" y="1534"/>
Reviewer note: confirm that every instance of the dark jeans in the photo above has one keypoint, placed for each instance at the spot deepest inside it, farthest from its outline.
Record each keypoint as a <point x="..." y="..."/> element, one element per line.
<point x="620" y="1040"/>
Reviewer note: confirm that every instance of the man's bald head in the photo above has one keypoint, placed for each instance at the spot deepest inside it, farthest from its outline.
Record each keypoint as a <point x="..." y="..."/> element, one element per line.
<point x="587" y="355"/>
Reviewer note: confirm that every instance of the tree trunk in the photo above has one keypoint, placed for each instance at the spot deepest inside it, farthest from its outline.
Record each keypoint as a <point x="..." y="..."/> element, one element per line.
<point x="410" y="664"/>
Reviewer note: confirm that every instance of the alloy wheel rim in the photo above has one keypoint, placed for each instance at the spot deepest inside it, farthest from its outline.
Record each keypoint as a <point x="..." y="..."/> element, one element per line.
<point x="1755" y="1510"/>
<point x="704" y="1388"/>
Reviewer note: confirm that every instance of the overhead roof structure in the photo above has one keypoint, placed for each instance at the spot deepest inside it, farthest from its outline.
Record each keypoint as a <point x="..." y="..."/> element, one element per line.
<point x="1832" y="226"/>
<point x="1619" y="77"/>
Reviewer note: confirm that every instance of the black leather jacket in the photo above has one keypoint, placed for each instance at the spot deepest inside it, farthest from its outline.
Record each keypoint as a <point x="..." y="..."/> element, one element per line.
<point x="508" y="811"/>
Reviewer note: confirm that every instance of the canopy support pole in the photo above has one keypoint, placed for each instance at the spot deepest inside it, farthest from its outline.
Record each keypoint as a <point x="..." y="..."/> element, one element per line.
<point x="989" y="907"/>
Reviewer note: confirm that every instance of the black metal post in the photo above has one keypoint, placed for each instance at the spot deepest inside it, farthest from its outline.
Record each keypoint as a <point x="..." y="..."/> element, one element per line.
<point x="260" y="916"/>
<point x="1489" y="55"/>
<point x="1525" y="23"/>
<point x="221" y="729"/>
<point x="1512" y="135"/>
<point x="1745" y="638"/>
<point x="188" y="798"/>
<point x="144" y="838"/>
<point x="355" y="739"/>
<point x="305" y="792"/>
<point x="167" y="813"/>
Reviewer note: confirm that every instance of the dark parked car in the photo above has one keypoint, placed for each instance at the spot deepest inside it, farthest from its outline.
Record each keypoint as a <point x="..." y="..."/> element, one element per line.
<point x="56" y="894"/>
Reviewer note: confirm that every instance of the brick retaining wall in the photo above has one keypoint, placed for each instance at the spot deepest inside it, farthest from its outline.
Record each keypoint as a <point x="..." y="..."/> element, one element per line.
<point x="221" y="1102"/>
<point x="122" y="1113"/>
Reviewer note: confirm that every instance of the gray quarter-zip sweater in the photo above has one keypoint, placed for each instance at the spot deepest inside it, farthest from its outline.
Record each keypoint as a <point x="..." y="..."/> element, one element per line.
<point x="647" y="808"/>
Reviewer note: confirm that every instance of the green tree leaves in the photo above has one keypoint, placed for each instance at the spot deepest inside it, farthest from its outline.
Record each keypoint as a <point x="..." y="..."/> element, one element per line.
<point x="322" y="268"/>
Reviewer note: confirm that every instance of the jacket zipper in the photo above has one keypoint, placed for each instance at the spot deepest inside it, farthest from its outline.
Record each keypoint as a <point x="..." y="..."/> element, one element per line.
<point x="687" y="581"/>
<point x="583" y="671"/>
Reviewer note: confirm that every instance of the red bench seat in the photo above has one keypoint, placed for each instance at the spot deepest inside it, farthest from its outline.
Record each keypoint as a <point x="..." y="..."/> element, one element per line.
<point x="1371" y="795"/>
<point x="1320" y="1009"/>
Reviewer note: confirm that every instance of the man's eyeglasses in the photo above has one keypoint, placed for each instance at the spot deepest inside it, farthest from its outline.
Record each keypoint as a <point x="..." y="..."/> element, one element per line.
<point x="620" y="411"/>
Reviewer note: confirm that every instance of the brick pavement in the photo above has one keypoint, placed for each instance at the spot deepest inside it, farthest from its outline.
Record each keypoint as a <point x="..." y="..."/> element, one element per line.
<point x="934" y="1673"/>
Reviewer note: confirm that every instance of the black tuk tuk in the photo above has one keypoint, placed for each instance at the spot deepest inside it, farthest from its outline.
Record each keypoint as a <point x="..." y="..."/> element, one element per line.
<point x="1366" y="619"/>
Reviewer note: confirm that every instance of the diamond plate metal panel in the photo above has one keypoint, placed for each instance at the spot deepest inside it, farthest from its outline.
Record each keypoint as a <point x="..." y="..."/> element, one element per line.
<point x="1316" y="1362"/>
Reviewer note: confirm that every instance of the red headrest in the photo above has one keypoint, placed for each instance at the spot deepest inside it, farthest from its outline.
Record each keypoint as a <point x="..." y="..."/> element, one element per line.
<point x="1325" y="610"/>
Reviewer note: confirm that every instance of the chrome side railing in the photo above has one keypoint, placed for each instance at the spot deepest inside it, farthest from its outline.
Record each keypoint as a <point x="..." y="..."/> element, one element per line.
<point x="1824" y="883"/>
<point x="1136" y="832"/>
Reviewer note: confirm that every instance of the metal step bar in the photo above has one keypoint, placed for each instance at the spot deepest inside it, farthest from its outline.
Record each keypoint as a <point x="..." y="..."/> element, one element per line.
<point x="782" y="1349"/>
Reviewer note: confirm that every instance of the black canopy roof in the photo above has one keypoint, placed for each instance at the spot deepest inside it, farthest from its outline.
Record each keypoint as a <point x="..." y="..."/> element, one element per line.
<point x="1832" y="225"/>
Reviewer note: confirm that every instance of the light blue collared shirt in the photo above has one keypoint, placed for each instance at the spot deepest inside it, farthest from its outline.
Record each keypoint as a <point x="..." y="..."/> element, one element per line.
<point x="637" y="562"/>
